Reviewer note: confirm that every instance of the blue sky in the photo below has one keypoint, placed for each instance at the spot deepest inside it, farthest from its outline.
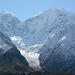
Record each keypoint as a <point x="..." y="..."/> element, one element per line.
<point x="25" y="9"/>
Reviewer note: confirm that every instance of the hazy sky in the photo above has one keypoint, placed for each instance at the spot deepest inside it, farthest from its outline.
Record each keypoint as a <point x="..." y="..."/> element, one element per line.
<point x="25" y="9"/>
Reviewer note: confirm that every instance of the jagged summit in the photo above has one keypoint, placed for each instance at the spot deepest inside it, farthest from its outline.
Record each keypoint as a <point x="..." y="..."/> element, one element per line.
<point x="7" y="16"/>
<point x="54" y="11"/>
<point x="5" y="12"/>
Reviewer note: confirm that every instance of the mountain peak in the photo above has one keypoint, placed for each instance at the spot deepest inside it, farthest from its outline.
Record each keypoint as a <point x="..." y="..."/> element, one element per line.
<point x="4" y="12"/>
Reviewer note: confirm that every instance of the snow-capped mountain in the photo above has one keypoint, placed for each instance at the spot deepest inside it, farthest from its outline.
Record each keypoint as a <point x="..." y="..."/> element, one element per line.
<point x="58" y="50"/>
<point x="48" y="33"/>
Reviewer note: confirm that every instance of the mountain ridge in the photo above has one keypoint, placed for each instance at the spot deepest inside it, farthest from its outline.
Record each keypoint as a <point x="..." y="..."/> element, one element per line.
<point x="42" y="34"/>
